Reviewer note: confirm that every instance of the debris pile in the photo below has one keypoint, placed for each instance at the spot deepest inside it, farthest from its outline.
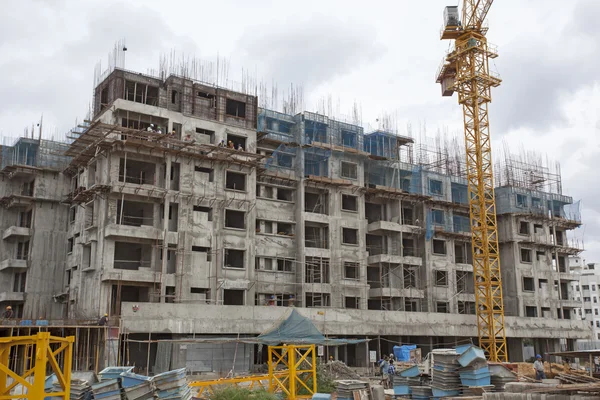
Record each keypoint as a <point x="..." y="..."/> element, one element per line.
<point x="339" y="370"/>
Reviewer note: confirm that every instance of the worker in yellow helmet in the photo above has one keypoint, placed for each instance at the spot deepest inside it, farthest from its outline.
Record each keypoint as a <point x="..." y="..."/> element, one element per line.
<point x="104" y="320"/>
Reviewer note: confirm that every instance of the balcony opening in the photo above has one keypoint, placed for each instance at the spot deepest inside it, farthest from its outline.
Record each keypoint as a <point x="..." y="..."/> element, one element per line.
<point x="531" y="312"/>
<point x="466" y="307"/>
<point x="546" y="312"/>
<point x="27" y="188"/>
<point x="442" y="307"/>
<point x="134" y="213"/>
<point x="316" y="235"/>
<point x="349" y="139"/>
<point x="285" y="229"/>
<point x="349" y="236"/>
<point x="171" y="258"/>
<point x="316" y="202"/>
<point x="235" y="108"/>
<point x="137" y="172"/>
<point x="352" y="302"/>
<point x="409" y="277"/>
<point x="205" y="212"/>
<point x="235" y="219"/>
<point x="526" y="255"/>
<point x="373" y="212"/>
<point x="201" y="249"/>
<point x="173" y="216"/>
<point x="200" y="295"/>
<point x="235" y="181"/>
<point x="132" y="256"/>
<point x="437" y="217"/>
<point x="522" y="203"/>
<point x="523" y="228"/>
<point x="175" y="172"/>
<point x="441" y="278"/>
<point x="465" y="282"/>
<point x="285" y="265"/>
<point x="206" y="174"/>
<point x="72" y="215"/>
<point x="238" y="141"/>
<point x="285" y="194"/>
<point x="463" y="253"/>
<point x="562" y="264"/>
<point x="170" y="294"/>
<point x="206" y="136"/>
<point x="407" y="216"/>
<point x="19" y="282"/>
<point x="351" y="270"/>
<point x="87" y="257"/>
<point x="349" y="170"/>
<point x="316" y="165"/>
<point x="408" y="247"/>
<point x="70" y="246"/>
<point x="349" y="203"/>
<point x="374" y="245"/>
<point x="234" y="258"/>
<point x="24" y="220"/>
<point x="318" y="300"/>
<point x="540" y="255"/>
<point x="538" y="229"/>
<point x="316" y="270"/>
<point x="233" y="297"/>
<point x="439" y="246"/>
<point x="411" y="305"/>
<point x="141" y="93"/>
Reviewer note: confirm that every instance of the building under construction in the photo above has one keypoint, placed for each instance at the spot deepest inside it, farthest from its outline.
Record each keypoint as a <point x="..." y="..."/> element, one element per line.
<point x="180" y="238"/>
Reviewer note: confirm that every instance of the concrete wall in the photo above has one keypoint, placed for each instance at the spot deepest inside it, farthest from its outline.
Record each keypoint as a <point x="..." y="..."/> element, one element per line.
<point x="181" y="319"/>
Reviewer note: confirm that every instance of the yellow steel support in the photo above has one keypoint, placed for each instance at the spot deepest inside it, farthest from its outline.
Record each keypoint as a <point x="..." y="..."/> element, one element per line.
<point x="46" y="349"/>
<point x="301" y="364"/>
<point x="292" y="370"/>
<point x="468" y="71"/>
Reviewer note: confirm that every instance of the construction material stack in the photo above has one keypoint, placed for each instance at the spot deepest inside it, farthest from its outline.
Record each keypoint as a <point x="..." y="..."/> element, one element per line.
<point x="445" y="379"/>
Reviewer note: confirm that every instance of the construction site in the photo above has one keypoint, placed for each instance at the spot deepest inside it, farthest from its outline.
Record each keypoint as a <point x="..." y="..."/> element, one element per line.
<point x="217" y="240"/>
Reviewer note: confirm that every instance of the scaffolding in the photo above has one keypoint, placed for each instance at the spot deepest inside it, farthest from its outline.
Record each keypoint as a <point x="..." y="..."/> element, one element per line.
<point x="34" y="153"/>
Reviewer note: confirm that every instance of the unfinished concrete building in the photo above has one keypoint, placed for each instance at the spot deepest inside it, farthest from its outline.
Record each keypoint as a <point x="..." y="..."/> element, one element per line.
<point x="176" y="236"/>
<point x="33" y="223"/>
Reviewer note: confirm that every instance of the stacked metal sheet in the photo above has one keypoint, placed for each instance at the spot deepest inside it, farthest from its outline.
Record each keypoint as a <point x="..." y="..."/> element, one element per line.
<point x="108" y="389"/>
<point x="445" y="379"/>
<point x="421" y="392"/>
<point x="500" y="376"/>
<point x="346" y="388"/>
<point x="80" y="390"/>
<point x="137" y="387"/>
<point x="474" y="371"/>
<point x="407" y="378"/>
<point x="172" y="385"/>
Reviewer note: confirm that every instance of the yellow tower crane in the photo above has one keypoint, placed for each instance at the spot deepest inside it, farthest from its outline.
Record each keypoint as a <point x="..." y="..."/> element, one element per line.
<point x="465" y="70"/>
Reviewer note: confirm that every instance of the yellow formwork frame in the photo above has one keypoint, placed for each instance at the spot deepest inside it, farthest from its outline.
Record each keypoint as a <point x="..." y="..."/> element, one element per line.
<point x="41" y="344"/>
<point x="300" y="365"/>
<point x="297" y="370"/>
<point x="473" y="82"/>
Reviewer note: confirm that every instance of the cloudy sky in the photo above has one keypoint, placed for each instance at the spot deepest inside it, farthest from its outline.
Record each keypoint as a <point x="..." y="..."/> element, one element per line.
<point x="382" y="55"/>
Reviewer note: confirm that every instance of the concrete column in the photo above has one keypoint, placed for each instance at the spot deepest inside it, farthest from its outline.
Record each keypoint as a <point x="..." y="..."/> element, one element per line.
<point x="165" y="227"/>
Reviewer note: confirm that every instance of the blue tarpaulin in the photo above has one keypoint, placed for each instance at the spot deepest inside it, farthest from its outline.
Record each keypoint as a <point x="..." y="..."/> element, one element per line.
<point x="402" y="353"/>
<point x="297" y="329"/>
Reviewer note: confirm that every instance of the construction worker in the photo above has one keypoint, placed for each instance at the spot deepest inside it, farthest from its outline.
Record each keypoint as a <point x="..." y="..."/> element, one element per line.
<point x="538" y="366"/>
<point x="150" y="128"/>
<point x="103" y="321"/>
<point x="222" y="143"/>
<point x="8" y="314"/>
<point x="230" y="145"/>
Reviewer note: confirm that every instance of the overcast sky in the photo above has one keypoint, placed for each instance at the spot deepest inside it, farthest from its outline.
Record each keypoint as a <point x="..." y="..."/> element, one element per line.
<point x="382" y="55"/>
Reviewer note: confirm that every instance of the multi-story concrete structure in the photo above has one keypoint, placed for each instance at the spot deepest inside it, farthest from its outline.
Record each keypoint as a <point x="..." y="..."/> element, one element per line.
<point x="175" y="236"/>
<point x="586" y="292"/>
<point x="33" y="227"/>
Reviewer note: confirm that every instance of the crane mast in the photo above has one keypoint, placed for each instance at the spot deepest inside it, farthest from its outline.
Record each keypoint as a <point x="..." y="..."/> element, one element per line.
<point x="465" y="70"/>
